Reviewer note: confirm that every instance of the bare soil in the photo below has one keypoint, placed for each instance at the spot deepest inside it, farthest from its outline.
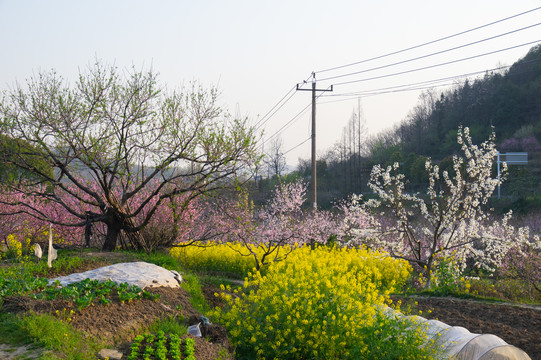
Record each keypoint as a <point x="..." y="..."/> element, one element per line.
<point x="119" y="323"/>
<point x="517" y="325"/>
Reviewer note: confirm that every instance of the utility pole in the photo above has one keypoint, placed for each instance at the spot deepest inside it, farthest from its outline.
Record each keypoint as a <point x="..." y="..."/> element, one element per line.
<point x="358" y="170"/>
<point x="313" y="180"/>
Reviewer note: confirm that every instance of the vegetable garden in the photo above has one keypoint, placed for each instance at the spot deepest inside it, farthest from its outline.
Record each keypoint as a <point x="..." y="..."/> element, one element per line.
<point x="162" y="177"/>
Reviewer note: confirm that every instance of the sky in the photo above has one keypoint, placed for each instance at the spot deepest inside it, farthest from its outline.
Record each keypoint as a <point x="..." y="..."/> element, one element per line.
<point x="256" y="52"/>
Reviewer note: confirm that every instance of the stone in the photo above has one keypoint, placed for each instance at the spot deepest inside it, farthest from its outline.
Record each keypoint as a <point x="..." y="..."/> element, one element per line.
<point x="37" y="251"/>
<point x="110" y="354"/>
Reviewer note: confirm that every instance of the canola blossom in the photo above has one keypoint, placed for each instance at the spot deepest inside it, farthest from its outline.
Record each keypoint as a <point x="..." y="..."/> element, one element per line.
<point x="232" y="259"/>
<point x="321" y="304"/>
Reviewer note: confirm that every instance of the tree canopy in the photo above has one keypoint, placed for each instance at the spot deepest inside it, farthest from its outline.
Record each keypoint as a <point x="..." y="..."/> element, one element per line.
<point x="18" y="150"/>
<point x="119" y="144"/>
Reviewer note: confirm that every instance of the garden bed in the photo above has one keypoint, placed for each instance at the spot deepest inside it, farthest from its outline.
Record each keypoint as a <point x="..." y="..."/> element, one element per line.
<point x="124" y="321"/>
<point x="517" y="325"/>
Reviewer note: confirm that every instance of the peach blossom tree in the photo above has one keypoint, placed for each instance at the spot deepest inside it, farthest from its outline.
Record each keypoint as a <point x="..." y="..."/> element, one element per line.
<point x="120" y="146"/>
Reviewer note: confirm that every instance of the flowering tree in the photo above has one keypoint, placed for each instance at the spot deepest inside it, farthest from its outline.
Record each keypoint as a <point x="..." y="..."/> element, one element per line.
<point x="523" y="264"/>
<point x="357" y="225"/>
<point x="119" y="146"/>
<point x="179" y="221"/>
<point x="452" y="220"/>
<point x="279" y="226"/>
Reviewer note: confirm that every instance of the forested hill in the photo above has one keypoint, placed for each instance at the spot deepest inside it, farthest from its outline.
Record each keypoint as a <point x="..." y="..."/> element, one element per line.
<point x="510" y="101"/>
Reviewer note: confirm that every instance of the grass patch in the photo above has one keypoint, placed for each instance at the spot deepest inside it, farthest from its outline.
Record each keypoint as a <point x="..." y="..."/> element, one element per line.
<point x="11" y="331"/>
<point x="67" y="262"/>
<point x="197" y="299"/>
<point x="46" y="331"/>
<point x="169" y="325"/>
<point x="160" y="258"/>
<point x="218" y="280"/>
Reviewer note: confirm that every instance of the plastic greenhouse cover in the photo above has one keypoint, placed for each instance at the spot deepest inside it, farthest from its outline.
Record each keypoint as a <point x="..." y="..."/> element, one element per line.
<point x="435" y="328"/>
<point x="454" y="339"/>
<point x="507" y="352"/>
<point x="478" y="346"/>
<point x="461" y="344"/>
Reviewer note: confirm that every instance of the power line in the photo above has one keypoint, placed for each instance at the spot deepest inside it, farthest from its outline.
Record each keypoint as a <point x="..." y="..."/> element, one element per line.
<point x="354" y="97"/>
<point x="296" y="146"/>
<point x="407" y="87"/>
<point x="428" y="84"/>
<point x="435" y="65"/>
<point x="292" y="120"/>
<point x="277" y="106"/>
<point x="431" y="54"/>
<point x="428" y="43"/>
<point x="260" y="123"/>
<point x="433" y="81"/>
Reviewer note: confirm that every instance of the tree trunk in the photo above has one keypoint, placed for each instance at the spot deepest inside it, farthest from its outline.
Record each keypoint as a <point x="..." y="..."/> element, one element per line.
<point x="111" y="239"/>
<point x="428" y="274"/>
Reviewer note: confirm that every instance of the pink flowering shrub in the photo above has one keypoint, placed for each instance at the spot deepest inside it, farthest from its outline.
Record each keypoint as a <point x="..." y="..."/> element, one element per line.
<point x="525" y="265"/>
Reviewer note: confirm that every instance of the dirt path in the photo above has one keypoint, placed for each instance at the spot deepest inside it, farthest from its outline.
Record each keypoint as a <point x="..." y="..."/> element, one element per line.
<point x="9" y="352"/>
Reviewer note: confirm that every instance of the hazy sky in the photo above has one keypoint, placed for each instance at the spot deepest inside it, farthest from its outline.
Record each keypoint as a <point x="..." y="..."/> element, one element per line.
<point x="256" y="51"/>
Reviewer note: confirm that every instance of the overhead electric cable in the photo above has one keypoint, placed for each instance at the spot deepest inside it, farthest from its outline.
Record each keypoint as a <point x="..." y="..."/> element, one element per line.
<point x="455" y="77"/>
<point x="418" y="85"/>
<point x="375" y="93"/>
<point x="429" y="55"/>
<point x="435" y="65"/>
<point x="430" y="42"/>
<point x="278" y="105"/>
<point x="296" y="146"/>
<point x="292" y="120"/>
<point x="260" y="123"/>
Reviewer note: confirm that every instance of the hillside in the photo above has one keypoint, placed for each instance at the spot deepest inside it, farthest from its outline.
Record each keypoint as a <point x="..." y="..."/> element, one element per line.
<point x="509" y="101"/>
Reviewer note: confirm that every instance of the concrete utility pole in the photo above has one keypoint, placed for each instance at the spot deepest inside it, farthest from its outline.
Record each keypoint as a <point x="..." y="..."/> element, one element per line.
<point x="313" y="180"/>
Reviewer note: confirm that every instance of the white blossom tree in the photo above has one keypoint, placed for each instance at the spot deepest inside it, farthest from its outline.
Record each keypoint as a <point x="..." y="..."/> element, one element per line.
<point x="450" y="219"/>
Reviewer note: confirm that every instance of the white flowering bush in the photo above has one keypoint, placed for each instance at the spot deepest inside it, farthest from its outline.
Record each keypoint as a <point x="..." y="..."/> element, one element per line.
<point x="449" y="219"/>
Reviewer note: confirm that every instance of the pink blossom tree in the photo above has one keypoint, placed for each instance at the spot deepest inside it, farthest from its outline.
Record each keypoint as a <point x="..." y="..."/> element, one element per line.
<point x="120" y="147"/>
<point x="269" y="233"/>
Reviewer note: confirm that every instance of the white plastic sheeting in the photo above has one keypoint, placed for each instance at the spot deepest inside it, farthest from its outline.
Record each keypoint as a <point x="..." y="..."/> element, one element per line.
<point x="504" y="352"/>
<point x="139" y="273"/>
<point x="460" y="344"/>
<point x="435" y="328"/>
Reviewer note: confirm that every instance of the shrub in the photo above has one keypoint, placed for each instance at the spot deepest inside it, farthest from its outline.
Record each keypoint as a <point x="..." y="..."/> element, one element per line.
<point x="447" y="278"/>
<point x="14" y="248"/>
<point x="522" y="271"/>
<point x="321" y="304"/>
